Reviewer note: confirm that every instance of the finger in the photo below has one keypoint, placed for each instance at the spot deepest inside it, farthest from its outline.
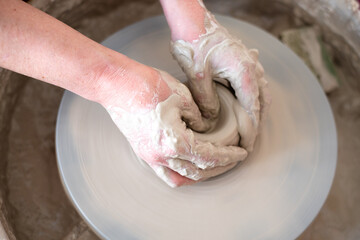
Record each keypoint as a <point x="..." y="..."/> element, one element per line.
<point x="245" y="127"/>
<point x="203" y="89"/>
<point x="191" y="114"/>
<point x="193" y="119"/>
<point x="189" y="170"/>
<point x="264" y="94"/>
<point x="247" y="92"/>
<point x="264" y="98"/>
<point x="247" y="130"/>
<point x="238" y="65"/>
<point x="170" y="177"/>
<point x="200" y="79"/>
<point x="206" y="155"/>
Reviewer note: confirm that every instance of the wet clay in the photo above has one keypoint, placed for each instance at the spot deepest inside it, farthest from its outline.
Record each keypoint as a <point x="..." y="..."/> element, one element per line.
<point x="338" y="219"/>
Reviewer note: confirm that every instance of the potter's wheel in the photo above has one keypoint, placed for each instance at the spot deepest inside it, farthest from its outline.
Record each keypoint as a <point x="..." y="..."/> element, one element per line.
<point x="274" y="194"/>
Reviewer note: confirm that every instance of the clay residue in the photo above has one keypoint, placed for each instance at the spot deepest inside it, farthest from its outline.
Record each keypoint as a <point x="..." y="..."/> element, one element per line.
<point x="38" y="206"/>
<point x="40" y="192"/>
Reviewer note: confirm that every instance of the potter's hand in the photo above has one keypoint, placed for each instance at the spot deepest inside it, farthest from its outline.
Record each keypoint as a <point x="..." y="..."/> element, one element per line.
<point x="206" y="52"/>
<point x="148" y="106"/>
<point x="151" y="110"/>
<point x="218" y="55"/>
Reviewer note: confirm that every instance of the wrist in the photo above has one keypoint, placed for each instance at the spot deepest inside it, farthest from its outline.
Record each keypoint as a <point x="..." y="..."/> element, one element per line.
<point x="110" y="72"/>
<point x="129" y="85"/>
<point x="186" y="19"/>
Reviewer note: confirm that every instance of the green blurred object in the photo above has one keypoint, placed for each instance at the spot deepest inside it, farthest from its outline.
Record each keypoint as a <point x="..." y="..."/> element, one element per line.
<point x="307" y="44"/>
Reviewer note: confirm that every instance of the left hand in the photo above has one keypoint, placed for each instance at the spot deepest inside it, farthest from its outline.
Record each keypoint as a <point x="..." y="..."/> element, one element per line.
<point x="155" y="111"/>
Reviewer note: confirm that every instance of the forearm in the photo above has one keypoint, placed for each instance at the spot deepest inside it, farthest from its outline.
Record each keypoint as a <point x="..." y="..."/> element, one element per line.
<point x="37" y="45"/>
<point x="186" y="18"/>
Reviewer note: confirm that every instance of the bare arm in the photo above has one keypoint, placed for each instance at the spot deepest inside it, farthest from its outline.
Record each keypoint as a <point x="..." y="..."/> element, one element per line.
<point x="185" y="18"/>
<point x="37" y="45"/>
<point x="206" y="51"/>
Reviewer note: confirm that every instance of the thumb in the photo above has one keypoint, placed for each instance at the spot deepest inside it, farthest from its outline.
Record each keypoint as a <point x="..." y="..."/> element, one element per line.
<point x="203" y="90"/>
<point x="191" y="114"/>
<point x="200" y="79"/>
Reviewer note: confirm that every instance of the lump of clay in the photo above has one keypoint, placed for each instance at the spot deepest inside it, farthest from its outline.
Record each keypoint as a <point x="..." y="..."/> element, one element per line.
<point x="225" y="131"/>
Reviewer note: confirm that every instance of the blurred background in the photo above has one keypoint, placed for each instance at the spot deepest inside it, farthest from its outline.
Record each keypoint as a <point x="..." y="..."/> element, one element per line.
<point x="324" y="33"/>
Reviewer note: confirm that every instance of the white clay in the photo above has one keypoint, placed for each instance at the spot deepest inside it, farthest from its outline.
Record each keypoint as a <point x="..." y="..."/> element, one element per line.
<point x="164" y="127"/>
<point x="202" y="61"/>
<point x="225" y="132"/>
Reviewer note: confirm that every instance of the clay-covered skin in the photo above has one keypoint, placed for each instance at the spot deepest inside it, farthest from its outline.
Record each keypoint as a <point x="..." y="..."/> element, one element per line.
<point x="139" y="98"/>
<point x="154" y="111"/>
<point x="217" y="55"/>
<point x="154" y="123"/>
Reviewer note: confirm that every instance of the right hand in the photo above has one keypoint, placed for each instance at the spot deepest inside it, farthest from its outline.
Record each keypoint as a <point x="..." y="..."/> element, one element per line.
<point x="155" y="112"/>
<point x="219" y="56"/>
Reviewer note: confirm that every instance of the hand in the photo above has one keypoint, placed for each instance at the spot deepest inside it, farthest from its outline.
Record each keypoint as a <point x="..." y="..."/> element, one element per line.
<point x="216" y="55"/>
<point x="150" y="107"/>
<point x="154" y="111"/>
